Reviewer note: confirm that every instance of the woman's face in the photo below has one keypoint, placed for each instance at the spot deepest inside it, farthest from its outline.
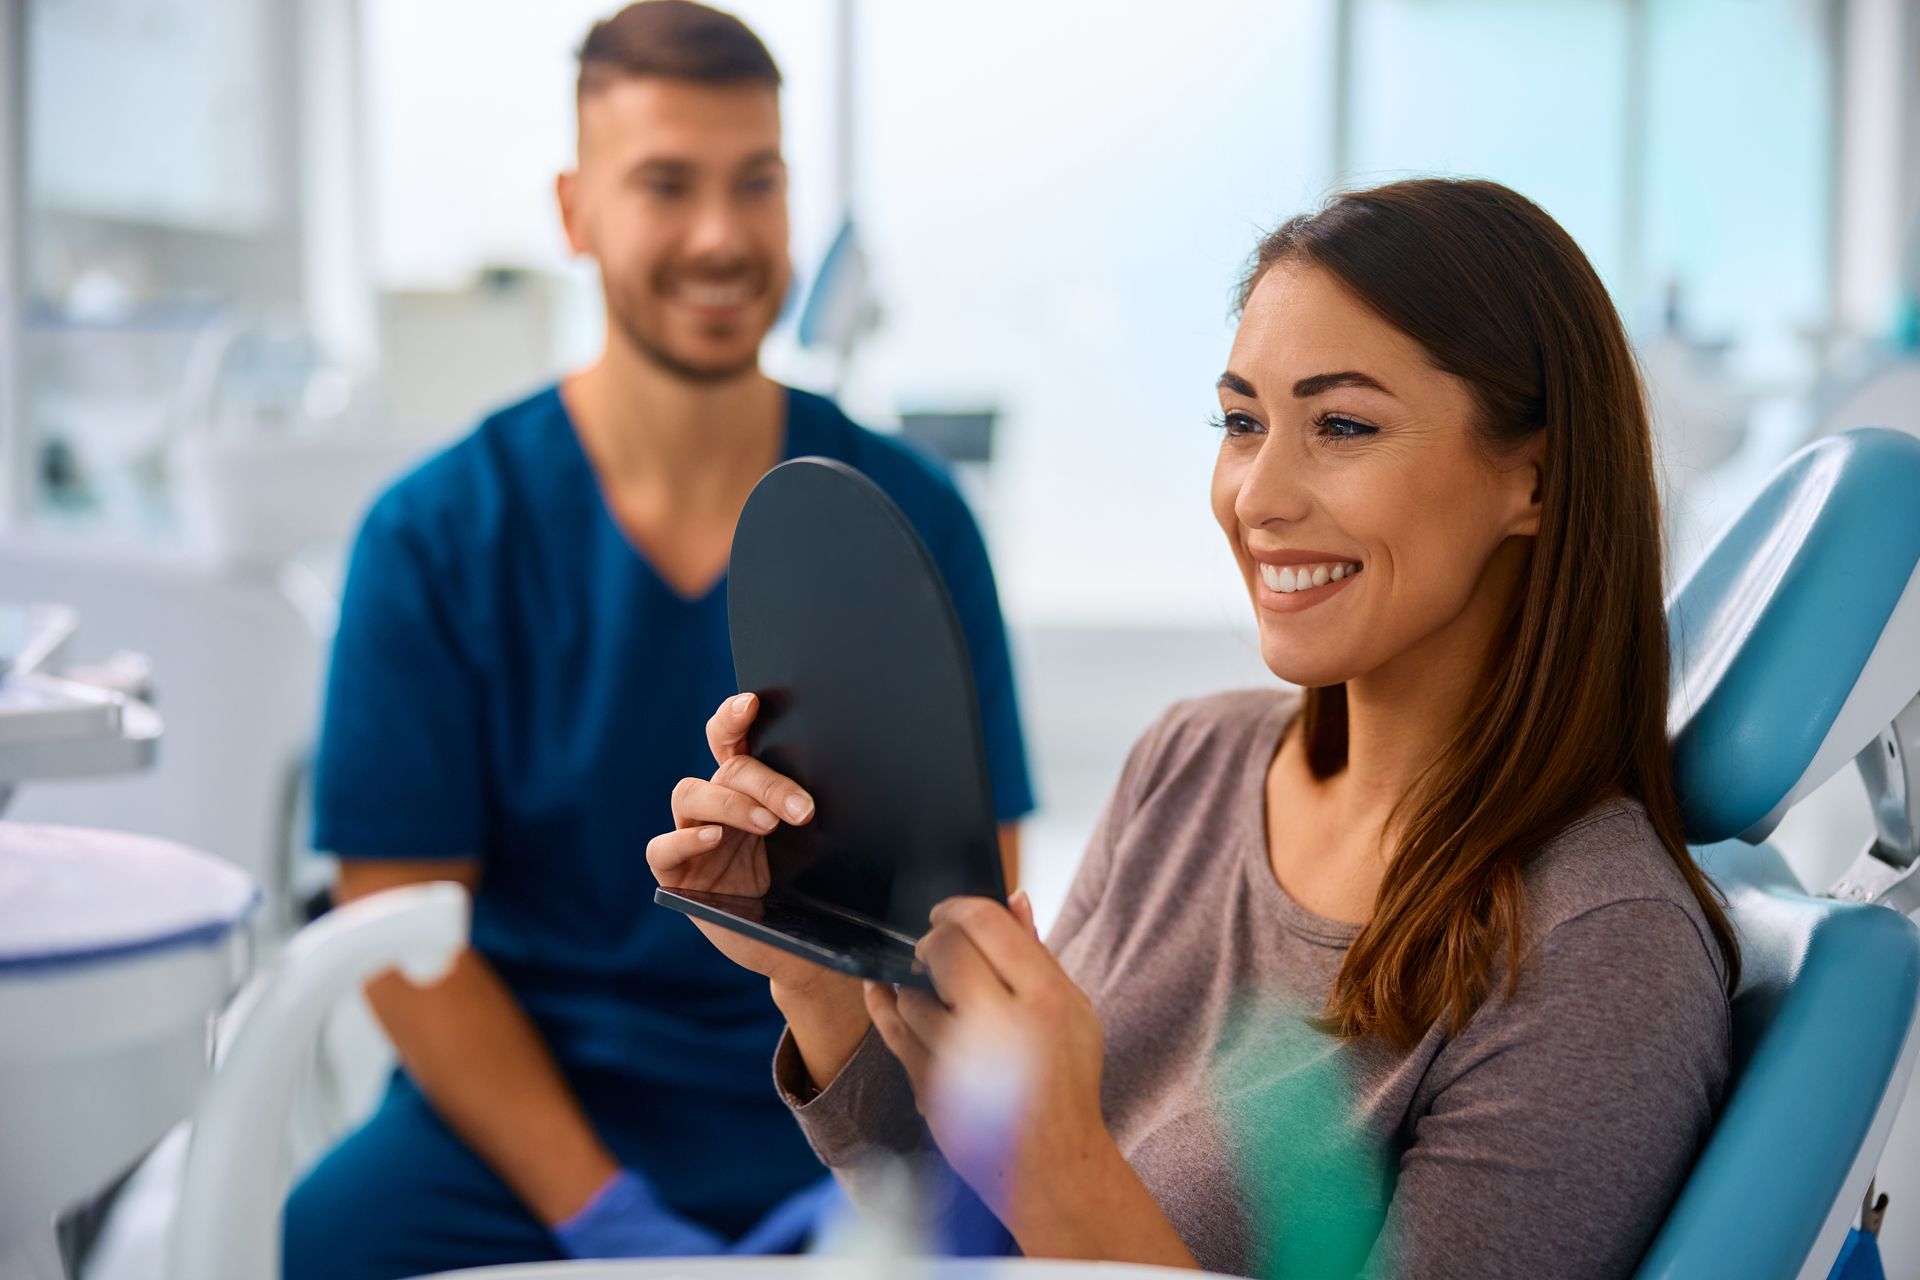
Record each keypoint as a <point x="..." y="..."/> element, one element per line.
<point x="1368" y="522"/>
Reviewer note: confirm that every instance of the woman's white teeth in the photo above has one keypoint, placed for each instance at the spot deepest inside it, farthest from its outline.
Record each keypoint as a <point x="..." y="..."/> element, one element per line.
<point x="1290" y="578"/>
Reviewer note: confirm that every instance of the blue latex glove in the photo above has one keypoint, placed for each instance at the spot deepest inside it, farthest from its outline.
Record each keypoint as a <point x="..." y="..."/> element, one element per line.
<point x="625" y="1219"/>
<point x="963" y="1226"/>
<point x="792" y="1225"/>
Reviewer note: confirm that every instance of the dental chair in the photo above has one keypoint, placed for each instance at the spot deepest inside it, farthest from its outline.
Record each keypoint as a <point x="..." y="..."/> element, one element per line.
<point x="1796" y="646"/>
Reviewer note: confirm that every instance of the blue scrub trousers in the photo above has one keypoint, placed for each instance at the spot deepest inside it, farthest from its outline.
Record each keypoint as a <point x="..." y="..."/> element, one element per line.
<point x="402" y="1196"/>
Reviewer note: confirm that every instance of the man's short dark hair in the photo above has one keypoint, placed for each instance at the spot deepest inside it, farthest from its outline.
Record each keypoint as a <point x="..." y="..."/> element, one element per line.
<point x="675" y="40"/>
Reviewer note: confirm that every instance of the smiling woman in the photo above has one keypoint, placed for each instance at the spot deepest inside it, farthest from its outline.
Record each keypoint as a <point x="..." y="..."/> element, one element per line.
<point x="1410" y="975"/>
<point x="1506" y="493"/>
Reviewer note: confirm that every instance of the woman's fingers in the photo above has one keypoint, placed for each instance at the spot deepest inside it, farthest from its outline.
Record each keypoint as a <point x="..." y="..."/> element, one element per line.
<point x="775" y="791"/>
<point x="962" y="974"/>
<point x="727" y="729"/>
<point x="667" y="854"/>
<point x="697" y="803"/>
<point x="1020" y="959"/>
<point x="928" y="1019"/>
<point x="1022" y="907"/>
<point x="883" y="1006"/>
<point x="727" y="738"/>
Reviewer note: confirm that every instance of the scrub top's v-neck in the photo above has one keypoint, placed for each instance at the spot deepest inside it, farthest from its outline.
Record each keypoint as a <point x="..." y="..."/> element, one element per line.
<point x="580" y="458"/>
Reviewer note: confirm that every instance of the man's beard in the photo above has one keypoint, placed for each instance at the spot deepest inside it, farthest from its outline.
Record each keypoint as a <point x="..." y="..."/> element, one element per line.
<point x="657" y="354"/>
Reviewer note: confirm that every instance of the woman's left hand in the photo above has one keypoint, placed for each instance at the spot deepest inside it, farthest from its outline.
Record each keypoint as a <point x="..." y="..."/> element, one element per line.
<point x="1000" y="987"/>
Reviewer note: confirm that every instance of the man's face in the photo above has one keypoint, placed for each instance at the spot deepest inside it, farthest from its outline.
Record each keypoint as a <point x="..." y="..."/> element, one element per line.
<point x="681" y="196"/>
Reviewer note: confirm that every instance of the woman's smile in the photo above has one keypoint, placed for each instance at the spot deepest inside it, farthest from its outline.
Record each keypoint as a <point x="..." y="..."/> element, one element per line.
<point x="1289" y="590"/>
<point x="1287" y="582"/>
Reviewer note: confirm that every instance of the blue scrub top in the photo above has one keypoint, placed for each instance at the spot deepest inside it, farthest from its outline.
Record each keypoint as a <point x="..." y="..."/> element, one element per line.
<point x="512" y="680"/>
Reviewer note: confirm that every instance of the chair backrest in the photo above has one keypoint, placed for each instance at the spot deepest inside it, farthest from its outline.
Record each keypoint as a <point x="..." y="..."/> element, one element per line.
<point x="1823" y="1024"/>
<point x="1796" y="640"/>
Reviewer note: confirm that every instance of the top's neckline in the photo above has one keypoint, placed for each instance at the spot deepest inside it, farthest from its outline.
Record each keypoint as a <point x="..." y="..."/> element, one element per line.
<point x="1297" y="918"/>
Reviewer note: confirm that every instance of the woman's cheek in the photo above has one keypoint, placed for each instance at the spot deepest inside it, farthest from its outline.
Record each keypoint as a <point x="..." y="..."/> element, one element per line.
<point x="1225" y="491"/>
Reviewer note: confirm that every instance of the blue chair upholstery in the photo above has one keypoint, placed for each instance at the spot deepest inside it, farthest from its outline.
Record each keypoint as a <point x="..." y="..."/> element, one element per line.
<point x="1781" y="629"/>
<point x="1793" y="648"/>
<point x="1823" y="1015"/>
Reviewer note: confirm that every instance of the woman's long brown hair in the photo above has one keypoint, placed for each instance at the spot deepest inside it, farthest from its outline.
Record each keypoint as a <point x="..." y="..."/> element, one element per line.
<point x="1572" y="707"/>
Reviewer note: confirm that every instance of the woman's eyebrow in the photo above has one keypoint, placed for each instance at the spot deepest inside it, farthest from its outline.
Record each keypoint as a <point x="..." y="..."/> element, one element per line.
<point x="1321" y="382"/>
<point x="1231" y="381"/>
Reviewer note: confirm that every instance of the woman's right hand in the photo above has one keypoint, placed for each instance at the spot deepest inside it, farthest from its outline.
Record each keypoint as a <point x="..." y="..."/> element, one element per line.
<point x="719" y="845"/>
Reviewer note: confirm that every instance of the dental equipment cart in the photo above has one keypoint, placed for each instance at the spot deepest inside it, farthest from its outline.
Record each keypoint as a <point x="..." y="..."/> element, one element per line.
<point x="52" y="726"/>
<point x="117" y="951"/>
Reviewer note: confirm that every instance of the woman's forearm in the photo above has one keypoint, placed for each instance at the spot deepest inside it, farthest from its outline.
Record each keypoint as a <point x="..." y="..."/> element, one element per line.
<point x="828" y="1019"/>
<point x="1098" y="1210"/>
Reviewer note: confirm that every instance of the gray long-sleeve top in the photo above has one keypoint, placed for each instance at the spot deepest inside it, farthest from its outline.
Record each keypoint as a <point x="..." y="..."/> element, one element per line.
<point x="1546" y="1139"/>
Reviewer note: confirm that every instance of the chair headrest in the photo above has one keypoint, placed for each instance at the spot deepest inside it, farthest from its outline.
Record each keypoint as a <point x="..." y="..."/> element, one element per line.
<point x="1796" y="639"/>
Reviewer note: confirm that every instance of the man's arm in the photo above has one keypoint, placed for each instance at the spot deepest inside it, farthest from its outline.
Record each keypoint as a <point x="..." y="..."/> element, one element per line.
<point x="482" y="1064"/>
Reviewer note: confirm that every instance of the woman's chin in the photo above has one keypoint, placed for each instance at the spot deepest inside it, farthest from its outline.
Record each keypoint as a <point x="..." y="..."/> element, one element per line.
<point x="1307" y="670"/>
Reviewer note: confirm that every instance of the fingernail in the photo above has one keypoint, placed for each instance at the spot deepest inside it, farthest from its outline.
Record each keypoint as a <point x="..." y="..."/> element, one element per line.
<point x="798" y="807"/>
<point x="743" y="703"/>
<point x="709" y="834"/>
<point x="764" y="819"/>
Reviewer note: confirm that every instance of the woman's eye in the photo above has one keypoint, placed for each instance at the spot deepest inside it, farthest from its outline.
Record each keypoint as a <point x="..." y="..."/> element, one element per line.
<point x="1334" y="426"/>
<point x="1238" y="424"/>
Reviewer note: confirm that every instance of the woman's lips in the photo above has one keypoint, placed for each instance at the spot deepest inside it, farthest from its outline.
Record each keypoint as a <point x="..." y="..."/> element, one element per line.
<point x="1291" y="588"/>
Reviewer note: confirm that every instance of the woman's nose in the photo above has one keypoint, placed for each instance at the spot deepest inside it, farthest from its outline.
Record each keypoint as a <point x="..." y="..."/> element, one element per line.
<point x="1274" y="488"/>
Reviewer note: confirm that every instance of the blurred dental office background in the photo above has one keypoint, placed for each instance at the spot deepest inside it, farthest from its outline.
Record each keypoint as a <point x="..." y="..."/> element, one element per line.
<point x="260" y="254"/>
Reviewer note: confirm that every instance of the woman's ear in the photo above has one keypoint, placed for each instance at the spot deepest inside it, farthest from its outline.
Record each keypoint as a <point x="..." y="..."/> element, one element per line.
<point x="1525" y="479"/>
